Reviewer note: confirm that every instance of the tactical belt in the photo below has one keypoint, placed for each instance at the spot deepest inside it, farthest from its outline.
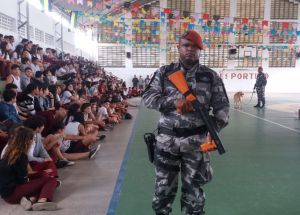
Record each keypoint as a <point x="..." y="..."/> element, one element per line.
<point x="183" y="132"/>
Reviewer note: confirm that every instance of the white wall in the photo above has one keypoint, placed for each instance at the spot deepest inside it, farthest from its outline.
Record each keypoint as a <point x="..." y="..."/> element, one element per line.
<point x="41" y="21"/>
<point x="279" y="80"/>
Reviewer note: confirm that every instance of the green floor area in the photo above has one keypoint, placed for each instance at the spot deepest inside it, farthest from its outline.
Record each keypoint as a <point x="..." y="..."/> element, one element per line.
<point x="259" y="174"/>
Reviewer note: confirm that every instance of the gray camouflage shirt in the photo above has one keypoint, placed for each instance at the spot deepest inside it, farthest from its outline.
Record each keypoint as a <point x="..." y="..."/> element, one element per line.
<point x="204" y="83"/>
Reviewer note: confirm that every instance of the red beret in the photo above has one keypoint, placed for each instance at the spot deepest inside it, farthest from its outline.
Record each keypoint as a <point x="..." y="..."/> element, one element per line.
<point x="193" y="36"/>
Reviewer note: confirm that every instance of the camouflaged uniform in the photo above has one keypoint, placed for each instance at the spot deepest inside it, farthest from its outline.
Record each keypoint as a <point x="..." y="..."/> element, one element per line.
<point x="174" y="154"/>
<point x="260" y="84"/>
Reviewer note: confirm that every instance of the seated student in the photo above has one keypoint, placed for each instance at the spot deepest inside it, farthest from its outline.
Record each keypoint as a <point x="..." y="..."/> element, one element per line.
<point x="14" y="87"/>
<point x="72" y="145"/>
<point x="103" y="113"/>
<point x="134" y="92"/>
<point x="113" y="114"/>
<point x="45" y="98"/>
<point x="91" y="122"/>
<point x="76" y="127"/>
<point x="69" y="96"/>
<point x="72" y="110"/>
<point x="15" y="187"/>
<point x="8" y="111"/>
<point x="38" y="156"/>
<point x="53" y="142"/>
<point x="28" y="101"/>
<point x="26" y="78"/>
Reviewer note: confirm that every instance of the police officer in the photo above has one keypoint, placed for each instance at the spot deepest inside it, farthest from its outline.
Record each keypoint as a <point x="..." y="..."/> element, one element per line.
<point x="260" y="84"/>
<point x="181" y="130"/>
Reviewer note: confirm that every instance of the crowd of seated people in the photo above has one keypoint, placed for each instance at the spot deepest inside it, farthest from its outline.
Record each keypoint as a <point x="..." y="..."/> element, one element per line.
<point x="53" y="110"/>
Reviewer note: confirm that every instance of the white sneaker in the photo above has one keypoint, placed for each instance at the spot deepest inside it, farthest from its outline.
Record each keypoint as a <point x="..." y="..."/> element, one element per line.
<point x="26" y="203"/>
<point x="44" y="206"/>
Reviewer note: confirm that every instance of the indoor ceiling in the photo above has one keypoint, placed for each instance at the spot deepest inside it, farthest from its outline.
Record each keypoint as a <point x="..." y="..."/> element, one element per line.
<point x="99" y="7"/>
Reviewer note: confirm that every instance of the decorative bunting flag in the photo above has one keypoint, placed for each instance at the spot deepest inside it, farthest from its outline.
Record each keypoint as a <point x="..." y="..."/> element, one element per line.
<point x="135" y="6"/>
<point x="74" y="16"/>
<point x="80" y="2"/>
<point x="205" y="16"/>
<point x="90" y="3"/>
<point x="264" y="23"/>
<point x="71" y="1"/>
<point x="285" y="25"/>
<point x="166" y="10"/>
<point x="244" y="21"/>
<point x="46" y="5"/>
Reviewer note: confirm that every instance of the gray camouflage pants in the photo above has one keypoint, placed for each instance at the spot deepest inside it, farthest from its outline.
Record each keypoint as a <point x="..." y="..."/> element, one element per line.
<point x="260" y="95"/>
<point x="174" y="155"/>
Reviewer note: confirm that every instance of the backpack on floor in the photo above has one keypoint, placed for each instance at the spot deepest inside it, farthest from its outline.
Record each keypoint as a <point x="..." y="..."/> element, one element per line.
<point x="128" y="116"/>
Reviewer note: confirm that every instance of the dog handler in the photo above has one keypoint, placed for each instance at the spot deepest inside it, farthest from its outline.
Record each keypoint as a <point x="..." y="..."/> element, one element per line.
<point x="181" y="130"/>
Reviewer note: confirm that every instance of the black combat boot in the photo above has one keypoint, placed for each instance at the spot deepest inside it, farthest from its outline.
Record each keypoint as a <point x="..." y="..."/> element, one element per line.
<point x="263" y="103"/>
<point x="258" y="104"/>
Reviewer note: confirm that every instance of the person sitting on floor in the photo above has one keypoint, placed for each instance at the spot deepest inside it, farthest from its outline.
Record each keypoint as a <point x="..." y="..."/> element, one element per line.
<point x="8" y="111"/>
<point x="15" y="186"/>
<point x="38" y="156"/>
<point x="72" y="145"/>
<point x="28" y="101"/>
<point x="52" y="144"/>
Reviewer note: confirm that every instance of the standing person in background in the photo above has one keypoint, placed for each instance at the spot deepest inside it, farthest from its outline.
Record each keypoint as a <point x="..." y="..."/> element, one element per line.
<point x="260" y="85"/>
<point x="181" y="130"/>
<point x="135" y="81"/>
<point x="141" y="84"/>
<point x="147" y="80"/>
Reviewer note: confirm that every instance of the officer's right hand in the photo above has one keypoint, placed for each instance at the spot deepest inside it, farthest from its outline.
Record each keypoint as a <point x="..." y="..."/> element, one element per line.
<point x="183" y="106"/>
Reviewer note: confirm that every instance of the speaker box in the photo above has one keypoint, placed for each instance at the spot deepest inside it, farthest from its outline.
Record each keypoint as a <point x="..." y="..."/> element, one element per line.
<point x="128" y="54"/>
<point x="232" y="51"/>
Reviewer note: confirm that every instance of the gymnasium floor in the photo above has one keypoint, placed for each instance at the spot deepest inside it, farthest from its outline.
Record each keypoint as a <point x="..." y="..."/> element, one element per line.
<point x="259" y="174"/>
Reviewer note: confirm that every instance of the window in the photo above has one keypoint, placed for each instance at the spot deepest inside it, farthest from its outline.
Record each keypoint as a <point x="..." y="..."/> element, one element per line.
<point x="49" y="39"/>
<point x="145" y="32"/>
<point x="216" y="7"/>
<point x="282" y="57"/>
<point x="111" y="32"/>
<point x="172" y="53"/>
<point x="22" y="30"/>
<point x="283" y="35"/>
<point x="281" y="9"/>
<point x="145" y="57"/>
<point x="111" y="56"/>
<point x="39" y="35"/>
<point x="31" y="34"/>
<point x="250" y="9"/>
<point x="148" y="11"/>
<point x="214" y="57"/>
<point x="183" y="8"/>
<point x="7" y="22"/>
<point x="248" y="33"/>
<point x="249" y="56"/>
